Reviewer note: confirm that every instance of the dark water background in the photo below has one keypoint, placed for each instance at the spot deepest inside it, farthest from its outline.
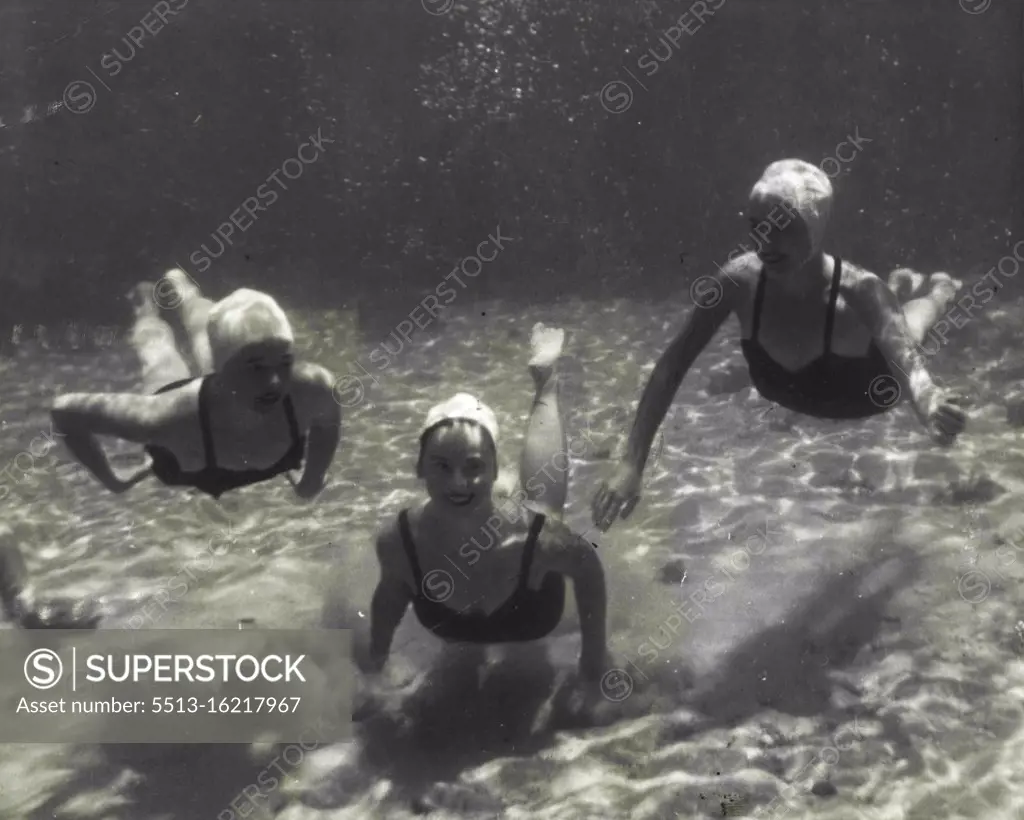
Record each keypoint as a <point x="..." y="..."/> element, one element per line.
<point x="445" y="127"/>
<point x="448" y="125"/>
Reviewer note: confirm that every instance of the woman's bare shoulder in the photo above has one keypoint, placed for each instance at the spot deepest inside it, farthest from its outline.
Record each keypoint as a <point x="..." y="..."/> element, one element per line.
<point x="744" y="268"/>
<point x="856" y="276"/>
<point x="313" y="391"/>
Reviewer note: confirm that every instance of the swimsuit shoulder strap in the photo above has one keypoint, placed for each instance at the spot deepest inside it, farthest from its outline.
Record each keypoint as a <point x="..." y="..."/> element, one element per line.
<point x="830" y="316"/>
<point x="410" y="548"/>
<point x="758" y="302"/>
<point x="531" y="542"/>
<point x="204" y="422"/>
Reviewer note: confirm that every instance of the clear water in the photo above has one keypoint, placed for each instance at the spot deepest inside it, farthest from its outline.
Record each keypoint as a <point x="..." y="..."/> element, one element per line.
<point x="836" y="556"/>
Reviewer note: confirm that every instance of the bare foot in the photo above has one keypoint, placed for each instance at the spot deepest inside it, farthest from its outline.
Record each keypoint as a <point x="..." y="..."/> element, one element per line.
<point x="944" y="287"/>
<point x="547" y="345"/>
<point x="141" y="299"/>
<point x="906" y="283"/>
<point x="184" y="285"/>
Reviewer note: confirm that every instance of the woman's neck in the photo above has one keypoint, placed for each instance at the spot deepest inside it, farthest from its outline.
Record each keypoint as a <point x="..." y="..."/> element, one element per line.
<point x="226" y="404"/>
<point x="807" y="281"/>
<point x="470" y="522"/>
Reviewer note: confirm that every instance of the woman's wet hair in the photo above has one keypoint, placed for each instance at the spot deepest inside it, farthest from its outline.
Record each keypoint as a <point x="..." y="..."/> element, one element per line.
<point x="463" y="426"/>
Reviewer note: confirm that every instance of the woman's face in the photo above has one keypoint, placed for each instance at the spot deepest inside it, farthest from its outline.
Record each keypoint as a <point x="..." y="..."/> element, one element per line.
<point x="784" y="244"/>
<point x="260" y="374"/>
<point x="459" y="466"/>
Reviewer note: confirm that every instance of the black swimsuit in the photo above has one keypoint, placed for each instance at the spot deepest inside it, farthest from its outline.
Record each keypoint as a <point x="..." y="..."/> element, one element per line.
<point x="831" y="386"/>
<point x="214" y="480"/>
<point x="527" y="615"/>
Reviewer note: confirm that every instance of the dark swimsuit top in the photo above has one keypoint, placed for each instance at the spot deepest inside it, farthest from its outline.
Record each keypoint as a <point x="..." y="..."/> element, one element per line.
<point x="214" y="480"/>
<point x="527" y="615"/>
<point x="831" y="386"/>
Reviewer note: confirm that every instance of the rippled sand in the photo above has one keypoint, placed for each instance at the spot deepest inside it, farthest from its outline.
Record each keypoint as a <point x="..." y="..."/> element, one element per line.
<point x="861" y="593"/>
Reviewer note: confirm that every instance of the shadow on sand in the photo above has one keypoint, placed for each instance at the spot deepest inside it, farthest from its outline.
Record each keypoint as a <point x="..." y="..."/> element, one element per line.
<point x="789" y="666"/>
<point x="169" y="781"/>
<point x="457" y="723"/>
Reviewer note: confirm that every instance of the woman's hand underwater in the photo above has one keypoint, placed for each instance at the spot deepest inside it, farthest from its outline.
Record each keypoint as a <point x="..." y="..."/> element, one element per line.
<point x="590" y="700"/>
<point x="618" y="496"/>
<point x="944" y="414"/>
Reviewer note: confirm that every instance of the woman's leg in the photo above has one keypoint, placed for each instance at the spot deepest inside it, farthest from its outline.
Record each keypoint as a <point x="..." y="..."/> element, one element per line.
<point x="924" y="299"/>
<point x="188" y="315"/>
<point x="544" y="467"/>
<point x="153" y="340"/>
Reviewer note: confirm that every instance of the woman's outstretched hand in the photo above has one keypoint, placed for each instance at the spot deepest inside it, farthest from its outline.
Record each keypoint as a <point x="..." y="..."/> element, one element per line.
<point x="617" y="496"/>
<point x="944" y="413"/>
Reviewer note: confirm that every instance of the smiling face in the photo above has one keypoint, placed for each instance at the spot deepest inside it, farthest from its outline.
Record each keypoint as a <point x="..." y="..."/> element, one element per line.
<point x="784" y="243"/>
<point x="259" y="375"/>
<point x="459" y="464"/>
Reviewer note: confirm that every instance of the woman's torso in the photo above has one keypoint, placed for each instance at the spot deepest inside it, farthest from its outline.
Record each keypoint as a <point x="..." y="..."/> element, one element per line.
<point x="244" y="446"/>
<point x="484" y="563"/>
<point x="792" y="330"/>
<point x="814" y="355"/>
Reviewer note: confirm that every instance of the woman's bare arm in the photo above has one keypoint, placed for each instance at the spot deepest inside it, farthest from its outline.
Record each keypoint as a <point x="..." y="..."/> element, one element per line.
<point x="81" y="417"/>
<point x="314" y="388"/>
<point x="880" y="310"/>
<point x="568" y="554"/>
<point x="390" y="600"/>
<point x="719" y="296"/>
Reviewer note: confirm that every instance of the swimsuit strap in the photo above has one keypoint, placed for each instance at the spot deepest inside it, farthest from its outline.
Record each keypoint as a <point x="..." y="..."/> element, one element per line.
<point x="410" y="549"/>
<point x="204" y="422"/>
<point x="830" y="317"/>
<point x="531" y="541"/>
<point x="758" y="302"/>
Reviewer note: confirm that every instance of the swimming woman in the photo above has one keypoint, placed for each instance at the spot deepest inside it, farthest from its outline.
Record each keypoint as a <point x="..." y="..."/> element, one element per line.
<point x="820" y="335"/>
<point x="249" y="414"/>
<point x="477" y="567"/>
